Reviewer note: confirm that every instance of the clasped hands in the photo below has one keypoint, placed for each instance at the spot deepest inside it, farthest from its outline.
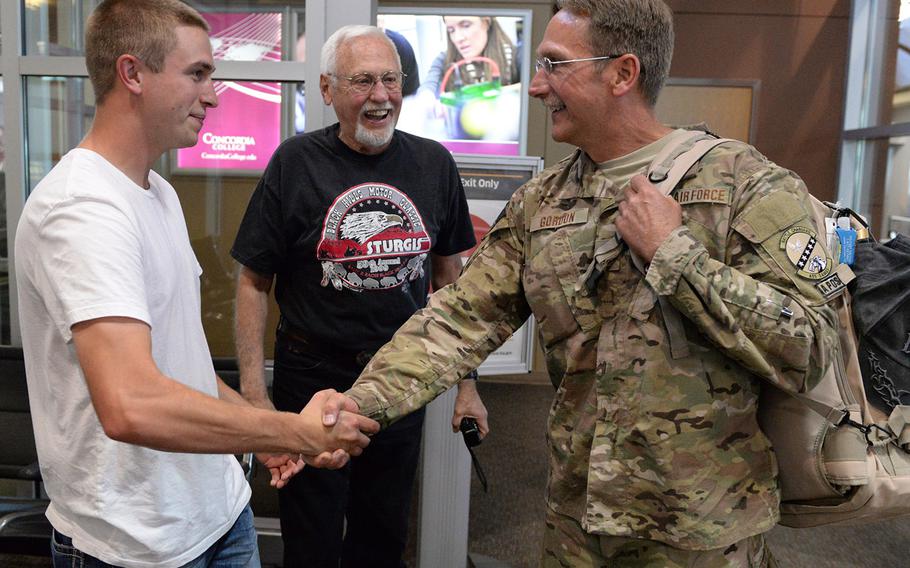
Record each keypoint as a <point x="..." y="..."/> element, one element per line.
<point x="338" y="432"/>
<point x="333" y="432"/>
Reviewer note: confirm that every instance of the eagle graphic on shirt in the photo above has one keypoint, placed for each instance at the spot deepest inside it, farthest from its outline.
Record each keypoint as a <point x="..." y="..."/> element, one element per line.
<point x="362" y="226"/>
<point x="373" y="238"/>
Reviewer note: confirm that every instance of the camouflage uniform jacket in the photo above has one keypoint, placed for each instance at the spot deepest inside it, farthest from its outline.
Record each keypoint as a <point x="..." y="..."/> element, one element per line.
<point x="641" y="444"/>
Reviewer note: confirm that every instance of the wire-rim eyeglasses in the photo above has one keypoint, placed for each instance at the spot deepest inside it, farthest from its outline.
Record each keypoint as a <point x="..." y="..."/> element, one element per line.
<point x="363" y="83"/>
<point x="547" y="64"/>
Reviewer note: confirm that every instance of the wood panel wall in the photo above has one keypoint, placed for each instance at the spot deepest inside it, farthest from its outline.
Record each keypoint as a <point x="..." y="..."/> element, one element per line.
<point x="798" y="50"/>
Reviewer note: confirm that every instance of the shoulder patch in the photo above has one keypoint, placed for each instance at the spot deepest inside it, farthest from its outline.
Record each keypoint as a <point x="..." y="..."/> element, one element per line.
<point x="556" y="220"/>
<point x="719" y="195"/>
<point x="804" y="252"/>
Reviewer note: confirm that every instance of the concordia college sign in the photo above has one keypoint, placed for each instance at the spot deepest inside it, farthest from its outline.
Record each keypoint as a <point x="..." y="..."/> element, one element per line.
<point x="243" y="131"/>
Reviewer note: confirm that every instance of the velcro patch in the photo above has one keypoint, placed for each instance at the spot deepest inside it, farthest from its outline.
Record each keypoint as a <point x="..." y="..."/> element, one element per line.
<point x="556" y="220"/>
<point x="703" y="195"/>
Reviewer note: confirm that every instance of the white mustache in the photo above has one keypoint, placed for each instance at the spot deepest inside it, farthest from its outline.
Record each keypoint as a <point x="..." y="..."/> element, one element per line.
<point x="553" y="103"/>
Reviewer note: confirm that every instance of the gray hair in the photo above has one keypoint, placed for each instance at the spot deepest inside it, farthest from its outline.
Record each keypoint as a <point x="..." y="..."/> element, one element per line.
<point x="328" y="56"/>
<point x="641" y="27"/>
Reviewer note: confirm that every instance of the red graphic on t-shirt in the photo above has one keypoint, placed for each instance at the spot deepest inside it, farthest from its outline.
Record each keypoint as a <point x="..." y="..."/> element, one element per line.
<point x="373" y="238"/>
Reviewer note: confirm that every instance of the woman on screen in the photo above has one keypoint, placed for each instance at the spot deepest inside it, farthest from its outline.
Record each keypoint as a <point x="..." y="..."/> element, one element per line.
<point x="473" y="36"/>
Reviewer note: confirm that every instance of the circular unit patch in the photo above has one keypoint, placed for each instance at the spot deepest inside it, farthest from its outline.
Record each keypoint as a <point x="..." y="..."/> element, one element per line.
<point x="803" y="252"/>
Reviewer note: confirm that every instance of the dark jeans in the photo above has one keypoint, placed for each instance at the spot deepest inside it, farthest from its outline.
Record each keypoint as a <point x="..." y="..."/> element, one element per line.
<point x="373" y="492"/>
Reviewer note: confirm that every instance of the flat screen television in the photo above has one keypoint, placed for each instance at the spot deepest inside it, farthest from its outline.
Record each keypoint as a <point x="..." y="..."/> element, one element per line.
<point x="473" y="71"/>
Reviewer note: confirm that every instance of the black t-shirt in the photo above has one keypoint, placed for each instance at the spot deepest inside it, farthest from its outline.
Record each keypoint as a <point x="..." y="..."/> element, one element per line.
<point x="348" y="235"/>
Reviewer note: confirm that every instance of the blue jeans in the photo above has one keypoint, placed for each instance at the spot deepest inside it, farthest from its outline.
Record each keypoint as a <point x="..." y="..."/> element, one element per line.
<point x="238" y="548"/>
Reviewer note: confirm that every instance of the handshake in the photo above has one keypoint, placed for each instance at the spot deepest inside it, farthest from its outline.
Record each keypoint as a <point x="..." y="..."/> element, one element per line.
<point x="337" y="428"/>
<point x="328" y="432"/>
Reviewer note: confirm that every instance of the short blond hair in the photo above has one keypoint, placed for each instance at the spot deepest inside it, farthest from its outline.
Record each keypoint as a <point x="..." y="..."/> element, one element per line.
<point x="142" y="28"/>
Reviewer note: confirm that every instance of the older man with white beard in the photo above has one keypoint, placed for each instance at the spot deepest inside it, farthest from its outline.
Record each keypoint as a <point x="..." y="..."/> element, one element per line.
<point x="342" y="295"/>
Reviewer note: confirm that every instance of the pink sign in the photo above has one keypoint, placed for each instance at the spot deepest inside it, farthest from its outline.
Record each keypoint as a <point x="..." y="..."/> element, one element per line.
<point x="243" y="131"/>
<point x="481" y="147"/>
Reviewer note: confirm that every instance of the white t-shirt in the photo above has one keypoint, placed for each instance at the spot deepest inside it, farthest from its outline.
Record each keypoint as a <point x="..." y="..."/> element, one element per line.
<point x="91" y="243"/>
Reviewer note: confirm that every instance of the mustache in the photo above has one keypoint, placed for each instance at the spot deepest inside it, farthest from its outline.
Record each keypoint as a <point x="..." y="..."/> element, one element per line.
<point x="552" y="103"/>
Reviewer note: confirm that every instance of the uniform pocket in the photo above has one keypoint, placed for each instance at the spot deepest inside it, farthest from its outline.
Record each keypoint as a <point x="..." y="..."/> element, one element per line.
<point x="551" y="277"/>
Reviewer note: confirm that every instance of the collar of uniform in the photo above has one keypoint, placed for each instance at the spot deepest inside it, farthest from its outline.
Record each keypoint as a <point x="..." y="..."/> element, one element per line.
<point x="588" y="180"/>
<point x="698" y="126"/>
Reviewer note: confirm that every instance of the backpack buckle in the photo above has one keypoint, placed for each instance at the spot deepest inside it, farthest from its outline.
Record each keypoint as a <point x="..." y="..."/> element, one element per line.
<point x="658" y="175"/>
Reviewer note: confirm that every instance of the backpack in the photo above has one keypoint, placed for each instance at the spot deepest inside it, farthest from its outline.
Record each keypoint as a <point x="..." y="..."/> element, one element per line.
<point x="840" y="459"/>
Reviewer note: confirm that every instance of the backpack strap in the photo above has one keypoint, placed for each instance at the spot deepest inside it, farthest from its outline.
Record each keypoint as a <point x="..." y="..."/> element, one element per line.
<point x="666" y="170"/>
<point x="669" y="167"/>
<point x="663" y="162"/>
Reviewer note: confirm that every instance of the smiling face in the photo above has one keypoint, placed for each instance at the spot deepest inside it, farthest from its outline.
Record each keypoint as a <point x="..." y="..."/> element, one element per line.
<point x="177" y="98"/>
<point x="367" y="120"/>
<point x="468" y="34"/>
<point x="575" y="94"/>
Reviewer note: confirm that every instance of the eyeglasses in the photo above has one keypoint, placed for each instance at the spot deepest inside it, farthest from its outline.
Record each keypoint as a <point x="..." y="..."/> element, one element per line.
<point x="547" y="64"/>
<point x="363" y="83"/>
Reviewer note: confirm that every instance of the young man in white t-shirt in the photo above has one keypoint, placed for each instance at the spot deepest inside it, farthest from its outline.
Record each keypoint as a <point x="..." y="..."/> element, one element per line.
<point x="133" y="428"/>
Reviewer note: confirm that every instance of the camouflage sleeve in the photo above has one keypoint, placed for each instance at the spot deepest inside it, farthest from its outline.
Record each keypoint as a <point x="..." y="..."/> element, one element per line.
<point x="756" y="297"/>
<point x="462" y="324"/>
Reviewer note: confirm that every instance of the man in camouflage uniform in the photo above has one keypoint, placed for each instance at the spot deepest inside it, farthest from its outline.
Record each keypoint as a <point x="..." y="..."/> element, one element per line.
<point x="656" y="457"/>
